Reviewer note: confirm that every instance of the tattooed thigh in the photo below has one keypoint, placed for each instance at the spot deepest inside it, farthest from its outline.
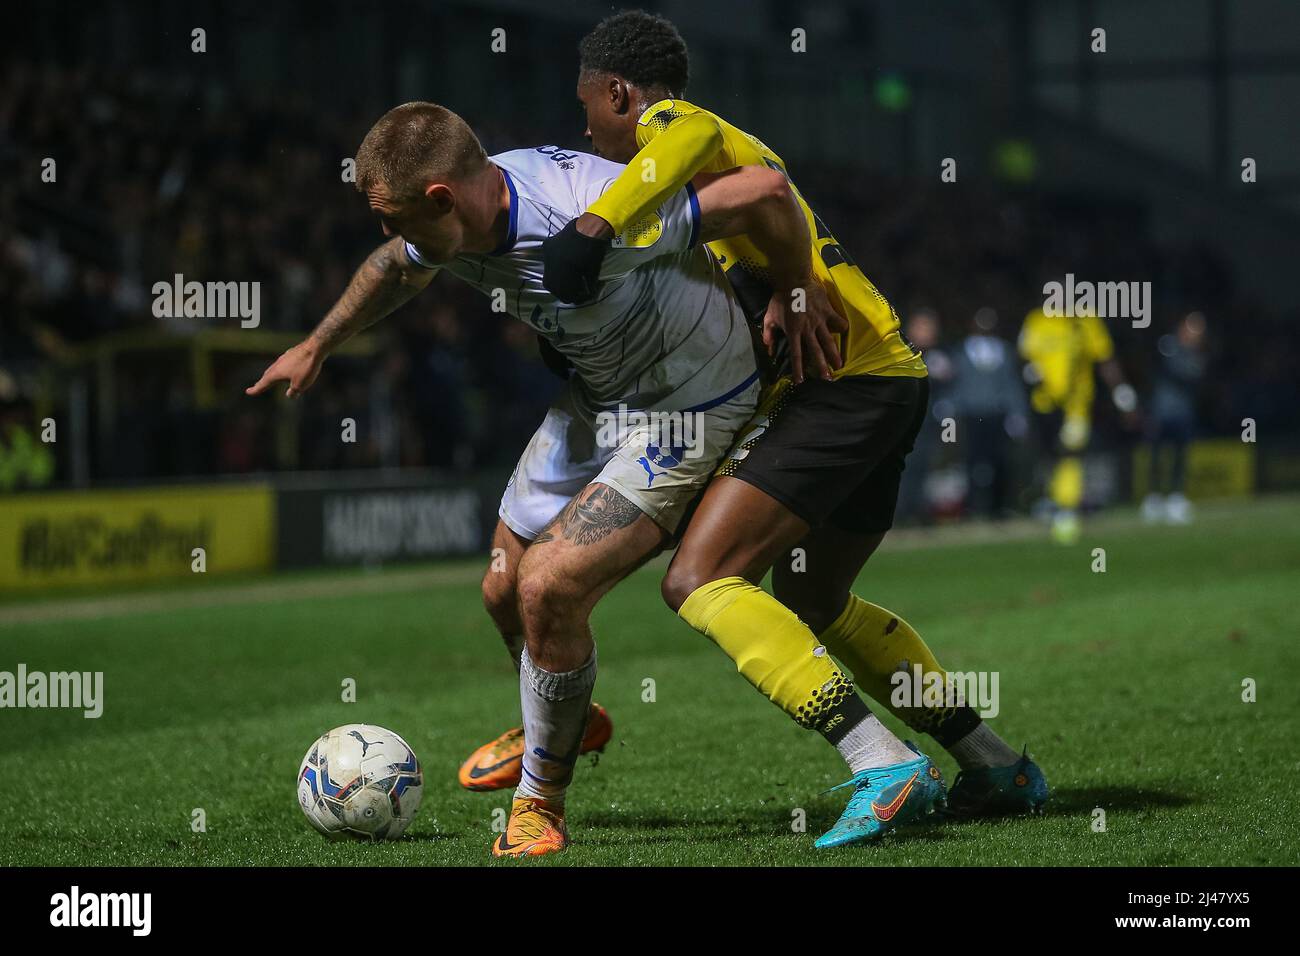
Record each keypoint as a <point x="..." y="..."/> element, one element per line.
<point x="594" y="513"/>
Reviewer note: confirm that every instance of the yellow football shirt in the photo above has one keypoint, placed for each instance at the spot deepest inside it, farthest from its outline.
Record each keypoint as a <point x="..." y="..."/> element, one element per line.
<point x="1065" y="351"/>
<point x="703" y="142"/>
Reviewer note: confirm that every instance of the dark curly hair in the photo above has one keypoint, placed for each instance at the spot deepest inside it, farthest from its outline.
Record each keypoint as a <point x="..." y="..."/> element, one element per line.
<point x="641" y="47"/>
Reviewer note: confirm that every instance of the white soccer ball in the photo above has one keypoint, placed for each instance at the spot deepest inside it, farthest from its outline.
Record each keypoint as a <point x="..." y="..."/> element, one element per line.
<point x="360" y="781"/>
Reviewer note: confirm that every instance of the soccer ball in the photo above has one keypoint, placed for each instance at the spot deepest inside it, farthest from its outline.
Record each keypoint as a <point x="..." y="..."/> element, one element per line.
<point x="360" y="781"/>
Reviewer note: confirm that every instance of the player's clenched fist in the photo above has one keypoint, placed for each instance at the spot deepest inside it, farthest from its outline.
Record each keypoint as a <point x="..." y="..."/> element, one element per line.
<point x="810" y="324"/>
<point x="299" y="366"/>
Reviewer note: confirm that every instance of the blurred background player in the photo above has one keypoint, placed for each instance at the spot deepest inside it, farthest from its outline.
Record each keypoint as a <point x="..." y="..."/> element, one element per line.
<point x="989" y="398"/>
<point x="1171" y="419"/>
<point x="922" y="330"/>
<point x="1063" y="353"/>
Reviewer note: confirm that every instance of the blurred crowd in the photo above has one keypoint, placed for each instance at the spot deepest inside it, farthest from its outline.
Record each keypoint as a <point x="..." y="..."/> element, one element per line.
<point x="154" y="176"/>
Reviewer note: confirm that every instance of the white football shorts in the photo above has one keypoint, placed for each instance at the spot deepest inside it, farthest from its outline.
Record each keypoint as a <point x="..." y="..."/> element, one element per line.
<point x="657" y="461"/>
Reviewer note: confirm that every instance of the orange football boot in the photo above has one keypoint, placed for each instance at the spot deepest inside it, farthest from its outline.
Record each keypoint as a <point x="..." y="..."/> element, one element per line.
<point x="498" y="764"/>
<point x="536" y="827"/>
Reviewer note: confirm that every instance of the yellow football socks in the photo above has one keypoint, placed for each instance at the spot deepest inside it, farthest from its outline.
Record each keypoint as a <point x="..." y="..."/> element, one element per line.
<point x="1066" y="486"/>
<point x="772" y="649"/>
<point x="875" y="644"/>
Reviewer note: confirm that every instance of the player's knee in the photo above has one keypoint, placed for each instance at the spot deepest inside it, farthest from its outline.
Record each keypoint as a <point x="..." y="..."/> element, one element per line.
<point x="546" y="600"/>
<point x="500" y="599"/>
<point x="681" y="581"/>
<point x="553" y="612"/>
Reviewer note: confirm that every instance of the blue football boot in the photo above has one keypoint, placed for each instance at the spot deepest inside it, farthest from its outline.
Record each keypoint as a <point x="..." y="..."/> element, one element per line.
<point x="885" y="798"/>
<point x="999" y="791"/>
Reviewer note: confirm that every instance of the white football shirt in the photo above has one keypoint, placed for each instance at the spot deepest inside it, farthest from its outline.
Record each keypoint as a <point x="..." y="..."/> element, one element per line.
<point x="664" y="332"/>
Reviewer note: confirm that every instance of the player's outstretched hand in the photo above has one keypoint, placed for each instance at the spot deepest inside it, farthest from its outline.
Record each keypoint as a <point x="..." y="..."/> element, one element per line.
<point x="572" y="257"/>
<point x="299" y="366"/>
<point x="810" y="330"/>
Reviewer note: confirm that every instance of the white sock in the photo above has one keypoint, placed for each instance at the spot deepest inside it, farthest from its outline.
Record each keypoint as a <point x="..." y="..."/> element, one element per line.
<point x="555" y="708"/>
<point x="982" y="748"/>
<point x="869" y="743"/>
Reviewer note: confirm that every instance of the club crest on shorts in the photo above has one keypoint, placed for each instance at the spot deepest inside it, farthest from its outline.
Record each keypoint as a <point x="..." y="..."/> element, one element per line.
<point x="656" y="457"/>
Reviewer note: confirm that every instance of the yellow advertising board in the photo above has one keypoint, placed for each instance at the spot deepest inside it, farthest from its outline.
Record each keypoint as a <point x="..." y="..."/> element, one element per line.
<point x="1216" y="468"/>
<point x="145" y="534"/>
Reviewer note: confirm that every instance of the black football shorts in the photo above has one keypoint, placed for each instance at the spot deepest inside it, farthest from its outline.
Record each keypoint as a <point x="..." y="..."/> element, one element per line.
<point x="833" y="452"/>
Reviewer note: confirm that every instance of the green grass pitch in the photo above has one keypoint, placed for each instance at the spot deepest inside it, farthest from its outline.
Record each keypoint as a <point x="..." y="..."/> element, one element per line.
<point x="1127" y="686"/>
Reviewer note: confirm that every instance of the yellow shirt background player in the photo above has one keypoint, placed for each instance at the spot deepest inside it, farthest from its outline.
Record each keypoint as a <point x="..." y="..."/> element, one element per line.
<point x="678" y="139"/>
<point x="1063" y="352"/>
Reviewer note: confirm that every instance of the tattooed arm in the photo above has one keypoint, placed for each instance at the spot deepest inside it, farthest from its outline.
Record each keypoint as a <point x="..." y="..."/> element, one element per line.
<point x="385" y="281"/>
